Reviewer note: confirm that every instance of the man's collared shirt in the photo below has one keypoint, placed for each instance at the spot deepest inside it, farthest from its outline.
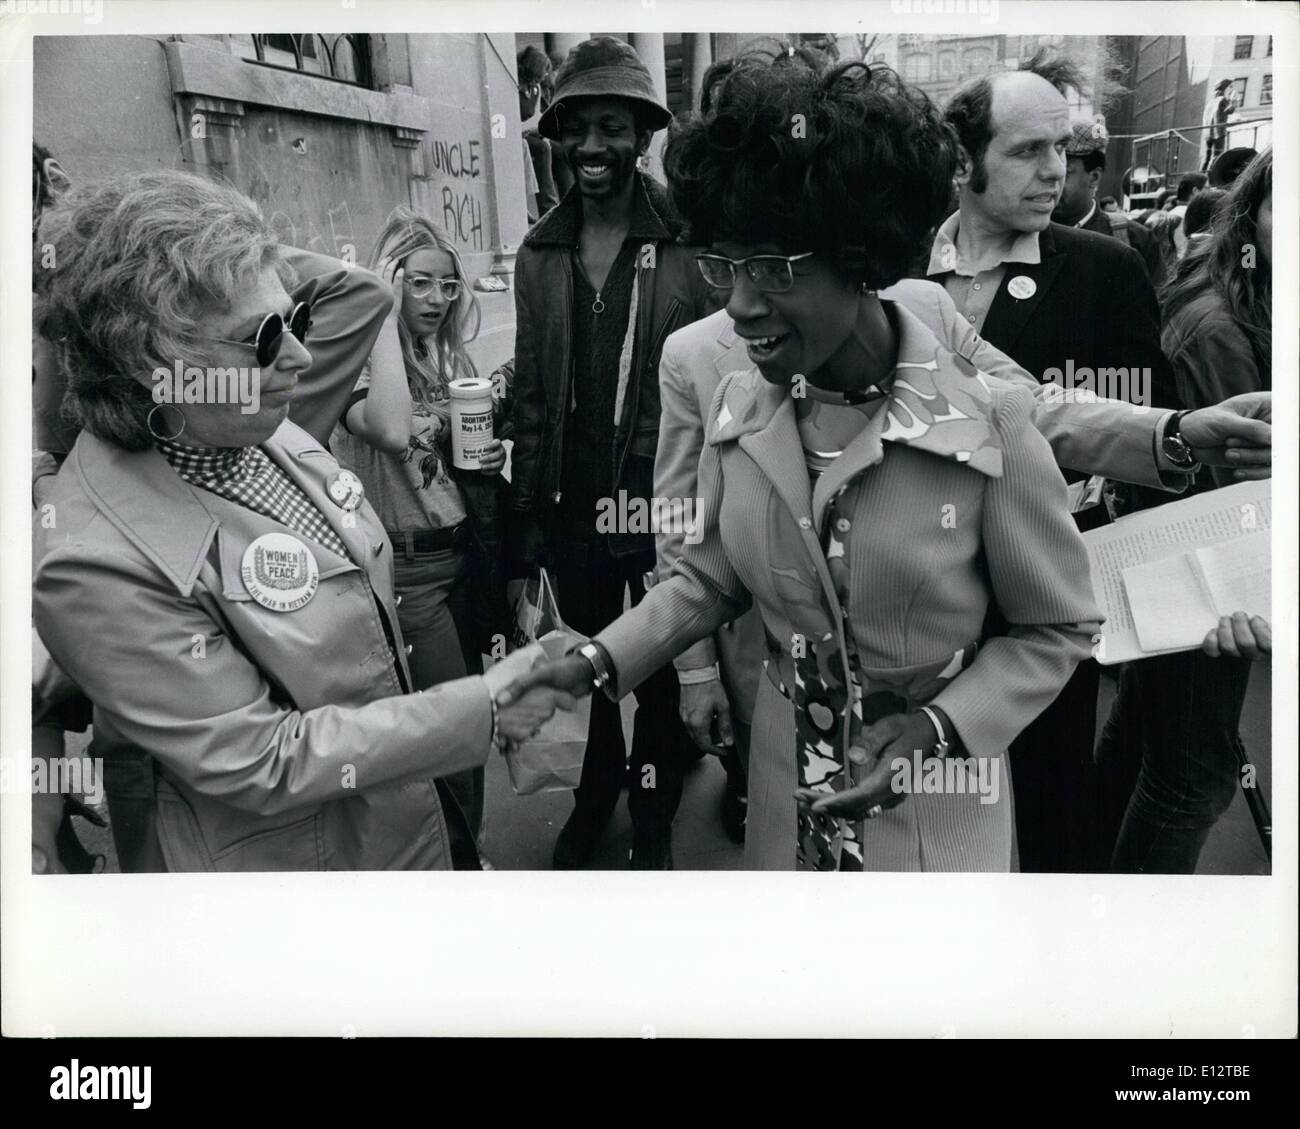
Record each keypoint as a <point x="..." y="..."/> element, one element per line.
<point x="1088" y="218"/>
<point x="972" y="286"/>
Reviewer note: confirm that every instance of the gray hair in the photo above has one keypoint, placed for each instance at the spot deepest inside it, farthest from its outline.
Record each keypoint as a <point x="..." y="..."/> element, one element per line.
<point x="135" y="261"/>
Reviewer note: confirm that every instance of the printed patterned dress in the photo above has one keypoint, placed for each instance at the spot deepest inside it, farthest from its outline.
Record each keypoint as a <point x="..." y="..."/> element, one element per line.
<point x="827" y="423"/>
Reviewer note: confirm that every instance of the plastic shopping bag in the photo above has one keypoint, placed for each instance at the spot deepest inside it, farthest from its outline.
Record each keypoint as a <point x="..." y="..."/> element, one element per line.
<point x="552" y="760"/>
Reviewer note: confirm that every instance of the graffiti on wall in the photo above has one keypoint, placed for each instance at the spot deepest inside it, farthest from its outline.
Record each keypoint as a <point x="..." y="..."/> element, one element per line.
<point x="461" y="200"/>
<point x="303" y="214"/>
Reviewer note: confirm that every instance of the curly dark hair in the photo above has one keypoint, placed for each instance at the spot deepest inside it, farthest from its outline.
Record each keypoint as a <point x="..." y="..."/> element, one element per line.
<point x="847" y="161"/>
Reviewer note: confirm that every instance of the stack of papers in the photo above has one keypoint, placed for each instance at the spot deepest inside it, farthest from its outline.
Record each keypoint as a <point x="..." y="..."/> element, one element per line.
<point x="1164" y="577"/>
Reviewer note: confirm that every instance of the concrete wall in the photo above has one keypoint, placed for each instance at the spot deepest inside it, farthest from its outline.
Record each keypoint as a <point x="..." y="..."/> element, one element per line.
<point x="327" y="161"/>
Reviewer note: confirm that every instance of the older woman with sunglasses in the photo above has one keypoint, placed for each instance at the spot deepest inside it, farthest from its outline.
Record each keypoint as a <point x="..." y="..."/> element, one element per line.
<point x="211" y="578"/>
<point x="861" y="484"/>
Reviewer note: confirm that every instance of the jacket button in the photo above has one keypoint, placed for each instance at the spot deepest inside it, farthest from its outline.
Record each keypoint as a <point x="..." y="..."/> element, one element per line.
<point x="805" y="522"/>
<point x="843" y="525"/>
<point x="410" y="647"/>
<point x="397" y="603"/>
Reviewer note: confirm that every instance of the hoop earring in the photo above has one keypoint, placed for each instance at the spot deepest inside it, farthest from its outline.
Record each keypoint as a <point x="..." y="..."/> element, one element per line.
<point x="148" y="423"/>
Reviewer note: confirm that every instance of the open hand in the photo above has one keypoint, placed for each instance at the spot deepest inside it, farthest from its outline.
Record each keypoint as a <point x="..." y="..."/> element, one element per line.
<point x="871" y="761"/>
<point x="390" y="270"/>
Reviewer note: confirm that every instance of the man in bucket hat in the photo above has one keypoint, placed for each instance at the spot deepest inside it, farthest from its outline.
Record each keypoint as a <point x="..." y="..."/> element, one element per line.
<point x="600" y="282"/>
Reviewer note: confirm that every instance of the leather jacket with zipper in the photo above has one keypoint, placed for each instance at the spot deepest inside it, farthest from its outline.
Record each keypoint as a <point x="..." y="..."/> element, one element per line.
<point x="672" y="294"/>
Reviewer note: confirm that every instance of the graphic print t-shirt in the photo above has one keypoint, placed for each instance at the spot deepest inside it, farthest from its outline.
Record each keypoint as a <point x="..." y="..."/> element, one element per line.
<point x="412" y="490"/>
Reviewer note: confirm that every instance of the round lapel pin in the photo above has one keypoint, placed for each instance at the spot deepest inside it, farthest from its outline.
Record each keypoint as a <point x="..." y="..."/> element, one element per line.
<point x="279" y="572"/>
<point x="1022" y="287"/>
<point x="345" y="490"/>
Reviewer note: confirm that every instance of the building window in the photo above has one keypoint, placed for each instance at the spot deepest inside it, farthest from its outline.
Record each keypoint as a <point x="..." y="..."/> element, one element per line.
<point x="342" y="57"/>
<point x="1269" y="53"/>
<point x="977" y="61"/>
<point x="1241" y="48"/>
<point x="947" y="64"/>
<point x="1266" y="91"/>
<point x="916" y="68"/>
<point x="1239" y="92"/>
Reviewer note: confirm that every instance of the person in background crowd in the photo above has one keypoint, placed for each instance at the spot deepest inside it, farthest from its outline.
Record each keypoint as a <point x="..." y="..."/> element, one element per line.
<point x="534" y="72"/>
<point x="847" y="415"/>
<point x="1189" y="185"/>
<point x="600" y="282"/>
<point x="1165" y="228"/>
<point x="560" y="171"/>
<point x="396" y="436"/>
<point x="215" y="584"/>
<point x="1085" y="156"/>
<point x="1055" y="300"/>
<point x="1175" y="719"/>
<point x="1108" y="204"/>
<point x="1217" y="120"/>
<point x="1228" y="165"/>
<point x="56" y="707"/>
<point x="1200" y="212"/>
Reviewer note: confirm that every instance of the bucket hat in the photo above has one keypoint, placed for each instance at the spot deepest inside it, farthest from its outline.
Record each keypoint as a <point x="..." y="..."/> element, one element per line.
<point x="604" y="67"/>
<point x="1228" y="165"/>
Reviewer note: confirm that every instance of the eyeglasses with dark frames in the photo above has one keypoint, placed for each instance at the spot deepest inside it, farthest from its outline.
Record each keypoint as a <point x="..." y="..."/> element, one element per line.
<point x="772" y="274"/>
<point x="270" y="334"/>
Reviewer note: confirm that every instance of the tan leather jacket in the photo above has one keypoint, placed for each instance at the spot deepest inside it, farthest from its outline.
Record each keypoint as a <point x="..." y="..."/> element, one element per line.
<point x="284" y="740"/>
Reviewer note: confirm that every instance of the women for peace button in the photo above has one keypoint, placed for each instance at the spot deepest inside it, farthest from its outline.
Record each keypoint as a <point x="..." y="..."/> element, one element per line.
<point x="279" y="572"/>
<point x="1022" y="286"/>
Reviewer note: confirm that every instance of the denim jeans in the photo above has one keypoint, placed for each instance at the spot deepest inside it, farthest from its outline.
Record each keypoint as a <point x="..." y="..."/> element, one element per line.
<point x="433" y="614"/>
<point x="1169" y="758"/>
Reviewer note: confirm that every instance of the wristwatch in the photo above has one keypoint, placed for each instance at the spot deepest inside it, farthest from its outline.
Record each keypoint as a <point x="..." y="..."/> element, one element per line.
<point x="1174" y="447"/>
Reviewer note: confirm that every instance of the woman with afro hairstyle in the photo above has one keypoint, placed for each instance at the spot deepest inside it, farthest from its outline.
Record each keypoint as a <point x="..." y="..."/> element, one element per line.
<point x="870" y="490"/>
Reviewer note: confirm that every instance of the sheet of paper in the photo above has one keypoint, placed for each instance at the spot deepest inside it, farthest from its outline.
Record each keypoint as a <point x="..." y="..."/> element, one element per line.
<point x="1170" y="530"/>
<point x="1171" y="607"/>
<point x="1239" y="575"/>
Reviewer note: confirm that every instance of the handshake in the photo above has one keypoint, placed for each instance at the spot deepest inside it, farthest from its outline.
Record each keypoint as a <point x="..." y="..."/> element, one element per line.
<point x="529" y="686"/>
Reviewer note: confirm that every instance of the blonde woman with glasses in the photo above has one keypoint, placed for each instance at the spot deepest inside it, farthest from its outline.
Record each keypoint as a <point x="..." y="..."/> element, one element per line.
<point x="396" y="435"/>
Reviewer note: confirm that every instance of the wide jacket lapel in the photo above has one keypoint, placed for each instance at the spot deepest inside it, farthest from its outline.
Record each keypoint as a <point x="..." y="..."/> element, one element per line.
<point x="1008" y="315"/>
<point x="938" y="402"/>
<point x="303" y="460"/>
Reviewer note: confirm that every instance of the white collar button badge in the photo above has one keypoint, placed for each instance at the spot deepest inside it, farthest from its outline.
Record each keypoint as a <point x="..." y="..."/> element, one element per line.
<point x="279" y="572"/>
<point x="1022" y="287"/>
<point x="345" y="490"/>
